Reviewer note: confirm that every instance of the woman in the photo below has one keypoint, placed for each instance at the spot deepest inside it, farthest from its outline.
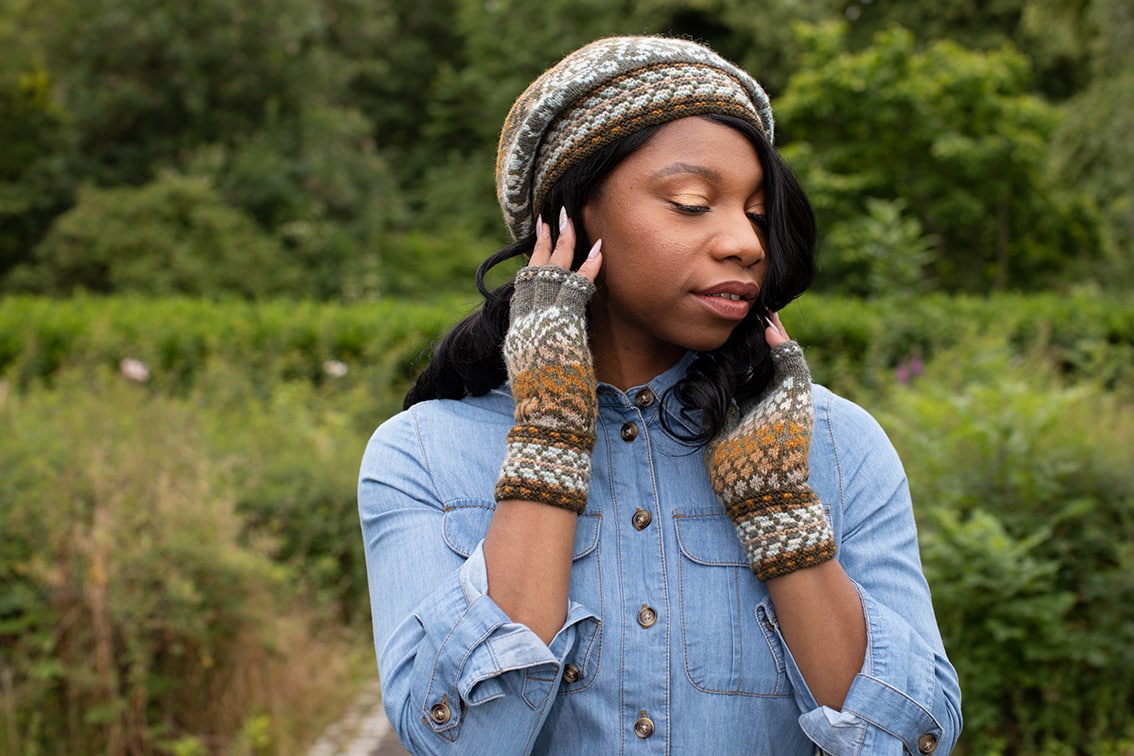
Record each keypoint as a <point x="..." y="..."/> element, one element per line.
<point x="616" y="515"/>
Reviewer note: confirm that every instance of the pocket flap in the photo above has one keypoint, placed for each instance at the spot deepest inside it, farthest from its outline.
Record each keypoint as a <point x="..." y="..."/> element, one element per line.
<point x="709" y="538"/>
<point x="465" y="525"/>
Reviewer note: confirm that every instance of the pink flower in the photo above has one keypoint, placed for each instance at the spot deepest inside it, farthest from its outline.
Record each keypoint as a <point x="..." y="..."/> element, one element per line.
<point x="134" y="370"/>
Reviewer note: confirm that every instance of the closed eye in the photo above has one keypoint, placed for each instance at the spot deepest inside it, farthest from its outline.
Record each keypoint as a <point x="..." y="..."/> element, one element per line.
<point x="759" y="220"/>
<point x="690" y="209"/>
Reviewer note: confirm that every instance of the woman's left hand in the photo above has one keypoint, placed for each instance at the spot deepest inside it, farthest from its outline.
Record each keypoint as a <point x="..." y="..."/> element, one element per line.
<point x="775" y="333"/>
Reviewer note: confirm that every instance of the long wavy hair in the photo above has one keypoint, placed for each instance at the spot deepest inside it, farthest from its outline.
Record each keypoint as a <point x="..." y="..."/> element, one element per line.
<point x="468" y="361"/>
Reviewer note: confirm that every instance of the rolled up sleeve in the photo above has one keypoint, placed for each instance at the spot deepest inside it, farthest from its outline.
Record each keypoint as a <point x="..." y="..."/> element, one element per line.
<point x="906" y="698"/>
<point x="457" y="674"/>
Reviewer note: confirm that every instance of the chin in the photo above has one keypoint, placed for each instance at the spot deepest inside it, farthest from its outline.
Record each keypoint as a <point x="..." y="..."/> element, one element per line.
<point x="707" y="342"/>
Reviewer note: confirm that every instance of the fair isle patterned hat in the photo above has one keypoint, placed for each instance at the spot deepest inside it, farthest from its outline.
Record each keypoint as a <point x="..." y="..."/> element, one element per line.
<point x="602" y="92"/>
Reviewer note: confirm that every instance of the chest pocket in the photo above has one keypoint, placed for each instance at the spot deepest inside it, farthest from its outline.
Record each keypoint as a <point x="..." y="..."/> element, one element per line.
<point x="729" y="640"/>
<point x="465" y="525"/>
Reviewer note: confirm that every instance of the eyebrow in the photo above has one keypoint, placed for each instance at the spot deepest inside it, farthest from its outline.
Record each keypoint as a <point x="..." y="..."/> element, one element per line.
<point x="675" y="169"/>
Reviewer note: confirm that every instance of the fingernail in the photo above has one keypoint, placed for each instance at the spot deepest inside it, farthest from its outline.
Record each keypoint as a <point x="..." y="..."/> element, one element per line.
<point x="595" y="248"/>
<point x="539" y="227"/>
<point x="562" y="219"/>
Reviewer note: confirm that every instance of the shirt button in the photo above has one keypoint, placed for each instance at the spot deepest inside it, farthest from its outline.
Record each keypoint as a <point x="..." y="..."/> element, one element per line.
<point x="647" y="616"/>
<point x="629" y="432"/>
<point x="641" y="519"/>
<point x="440" y="713"/>
<point x="570" y="673"/>
<point x="644" y="727"/>
<point x="645" y="398"/>
<point x="927" y="743"/>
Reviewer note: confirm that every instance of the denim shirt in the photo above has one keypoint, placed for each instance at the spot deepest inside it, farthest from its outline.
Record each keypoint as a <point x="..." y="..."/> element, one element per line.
<point x="671" y="644"/>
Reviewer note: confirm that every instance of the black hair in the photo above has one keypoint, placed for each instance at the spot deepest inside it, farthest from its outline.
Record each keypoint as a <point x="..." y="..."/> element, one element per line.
<point x="468" y="360"/>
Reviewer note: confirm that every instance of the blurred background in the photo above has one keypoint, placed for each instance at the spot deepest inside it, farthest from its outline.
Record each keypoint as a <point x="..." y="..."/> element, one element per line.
<point x="231" y="229"/>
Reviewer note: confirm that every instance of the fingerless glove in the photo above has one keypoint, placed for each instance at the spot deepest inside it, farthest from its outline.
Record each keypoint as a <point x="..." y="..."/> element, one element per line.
<point x="549" y="364"/>
<point x="759" y="469"/>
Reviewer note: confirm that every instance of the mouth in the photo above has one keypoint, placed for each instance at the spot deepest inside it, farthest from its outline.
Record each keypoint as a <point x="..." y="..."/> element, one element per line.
<point x="733" y="291"/>
<point x="730" y="302"/>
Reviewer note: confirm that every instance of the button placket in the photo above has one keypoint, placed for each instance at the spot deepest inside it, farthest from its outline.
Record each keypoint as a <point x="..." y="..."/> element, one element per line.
<point x="635" y="496"/>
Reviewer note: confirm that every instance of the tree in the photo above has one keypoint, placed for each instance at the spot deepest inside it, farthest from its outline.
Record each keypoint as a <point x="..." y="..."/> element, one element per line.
<point x="247" y="96"/>
<point x="955" y="137"/>
<point x="36" y="183"/>
<point x="1093" y="149"/>
<point x="175" y="235"/>
<point x="146" y="82"/>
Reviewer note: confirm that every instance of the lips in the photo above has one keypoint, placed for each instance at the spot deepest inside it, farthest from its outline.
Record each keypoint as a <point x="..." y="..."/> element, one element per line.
<point x="730" y="300"/>
<point x="735" y="291"/>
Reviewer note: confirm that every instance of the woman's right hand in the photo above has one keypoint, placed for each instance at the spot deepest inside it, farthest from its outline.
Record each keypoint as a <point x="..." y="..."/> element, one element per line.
<point x="564" y="250"/>
<point x="552" y="376"/>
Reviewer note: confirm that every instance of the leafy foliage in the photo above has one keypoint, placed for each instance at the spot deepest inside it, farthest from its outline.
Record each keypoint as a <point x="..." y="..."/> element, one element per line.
<point x="35" y="184"/>
<point x="138" y="612"/>
<point x="175" y="235"/>
<point x="1012" y="415"/>
<point x="355" y="133"/>
<point x="1026" y="503"/>
<point x="952" y="135"/>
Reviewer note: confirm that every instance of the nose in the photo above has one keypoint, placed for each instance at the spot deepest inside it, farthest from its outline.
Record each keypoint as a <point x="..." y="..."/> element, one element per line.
<point x="739" y="239"/>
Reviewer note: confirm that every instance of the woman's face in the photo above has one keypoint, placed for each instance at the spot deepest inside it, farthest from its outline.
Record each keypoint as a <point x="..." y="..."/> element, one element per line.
<point x="683" y="244"/>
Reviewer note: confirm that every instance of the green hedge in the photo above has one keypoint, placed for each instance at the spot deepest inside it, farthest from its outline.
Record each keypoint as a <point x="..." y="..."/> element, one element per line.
<point x="179" y="338"/>
<point x="850" y="343"/>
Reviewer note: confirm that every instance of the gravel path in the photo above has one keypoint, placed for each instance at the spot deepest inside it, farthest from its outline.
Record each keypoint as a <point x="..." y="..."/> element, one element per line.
<point x="364" y="731"/>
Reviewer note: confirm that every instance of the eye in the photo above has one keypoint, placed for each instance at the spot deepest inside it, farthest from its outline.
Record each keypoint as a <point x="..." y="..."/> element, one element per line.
<point x="759" y="220"/>
<point x="690" y="209"/>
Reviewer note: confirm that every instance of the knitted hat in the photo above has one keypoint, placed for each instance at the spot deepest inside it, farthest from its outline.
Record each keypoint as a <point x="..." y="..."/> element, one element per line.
<point x="604" y="91"/>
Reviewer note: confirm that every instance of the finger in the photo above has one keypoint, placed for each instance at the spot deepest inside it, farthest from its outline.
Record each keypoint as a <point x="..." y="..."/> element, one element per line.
<point x="775" y="333"/>
<point x="541" y="253"/>
<point x="590" y="267"/>
<point x="789" y="361"/>
<point x="564" y="246"/>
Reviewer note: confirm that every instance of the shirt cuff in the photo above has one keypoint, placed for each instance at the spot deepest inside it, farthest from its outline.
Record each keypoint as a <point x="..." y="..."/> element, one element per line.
<point x="888" y="707"/>
<point x="476" y="653"/>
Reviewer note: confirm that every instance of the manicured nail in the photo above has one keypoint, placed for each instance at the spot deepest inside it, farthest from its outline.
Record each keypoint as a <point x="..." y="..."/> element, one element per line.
<point x="595" y="248"/>
<point x="539" y="227"/>
<point x="562" y="219"/>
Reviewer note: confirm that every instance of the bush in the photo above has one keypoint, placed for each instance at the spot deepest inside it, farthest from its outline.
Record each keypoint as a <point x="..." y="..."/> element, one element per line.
<point x="138" y="613"/>
<point x="380" y="344"/>
<point x="1025" y="499"/>
<point x="174" y="235"/>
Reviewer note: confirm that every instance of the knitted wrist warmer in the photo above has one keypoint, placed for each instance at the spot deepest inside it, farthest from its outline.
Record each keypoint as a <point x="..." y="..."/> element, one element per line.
<point x="549" y="363"/>
<point x="759" y="469"/>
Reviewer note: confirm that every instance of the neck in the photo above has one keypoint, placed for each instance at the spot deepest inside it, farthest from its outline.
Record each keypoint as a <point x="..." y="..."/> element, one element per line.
<point x="624" y="365"/>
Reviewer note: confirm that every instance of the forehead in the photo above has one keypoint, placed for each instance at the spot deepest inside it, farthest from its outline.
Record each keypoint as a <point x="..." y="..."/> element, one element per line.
<point x="697" y="147"/>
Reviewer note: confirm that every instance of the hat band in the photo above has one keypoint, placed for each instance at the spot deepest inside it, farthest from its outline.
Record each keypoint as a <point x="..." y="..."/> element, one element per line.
<point x="629" y="103"/>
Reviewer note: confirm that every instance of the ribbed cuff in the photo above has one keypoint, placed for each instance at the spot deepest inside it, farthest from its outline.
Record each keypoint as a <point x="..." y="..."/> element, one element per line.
<point x="783" y="531"/>
<point x="551" y="467"/>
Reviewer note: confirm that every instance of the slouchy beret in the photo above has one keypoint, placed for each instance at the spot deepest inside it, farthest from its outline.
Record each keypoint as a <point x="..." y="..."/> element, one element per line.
<point x="606" y="90"/>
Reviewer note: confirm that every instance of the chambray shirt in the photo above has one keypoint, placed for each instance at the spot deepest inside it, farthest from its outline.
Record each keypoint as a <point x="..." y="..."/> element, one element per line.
<point x="671" y="645"/>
